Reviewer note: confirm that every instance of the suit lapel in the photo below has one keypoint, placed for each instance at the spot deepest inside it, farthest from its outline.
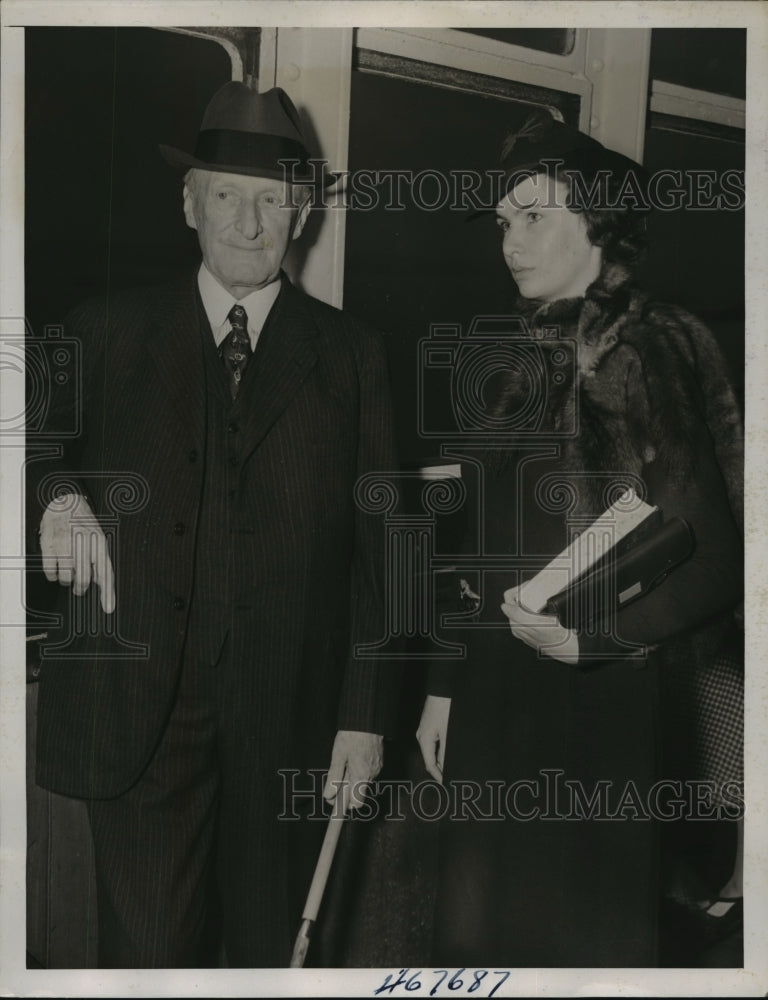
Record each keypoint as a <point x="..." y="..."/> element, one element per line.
<point x="174" y="348"/>
<point x="285" y="354"/>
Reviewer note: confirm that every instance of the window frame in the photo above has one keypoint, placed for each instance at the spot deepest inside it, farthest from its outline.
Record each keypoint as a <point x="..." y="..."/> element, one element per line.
<point x="314" y="65"/>
<point x="699" y="105"/>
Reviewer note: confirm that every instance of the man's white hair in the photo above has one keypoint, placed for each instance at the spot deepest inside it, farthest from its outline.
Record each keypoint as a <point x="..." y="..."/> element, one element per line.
<point x="192" y="179"/>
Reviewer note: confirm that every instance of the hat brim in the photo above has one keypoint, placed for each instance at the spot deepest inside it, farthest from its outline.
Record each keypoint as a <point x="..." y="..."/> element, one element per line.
<point x="180" y="160"/>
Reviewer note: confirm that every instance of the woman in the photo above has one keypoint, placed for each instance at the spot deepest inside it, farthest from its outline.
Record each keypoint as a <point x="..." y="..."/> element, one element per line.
<point x="553" y="733"/>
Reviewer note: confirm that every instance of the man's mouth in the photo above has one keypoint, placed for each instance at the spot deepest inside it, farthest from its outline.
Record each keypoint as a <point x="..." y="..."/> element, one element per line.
<point x="251" y="248"/>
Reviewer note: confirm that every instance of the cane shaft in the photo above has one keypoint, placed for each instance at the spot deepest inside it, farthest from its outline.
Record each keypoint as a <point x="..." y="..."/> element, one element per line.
<point x="323" y="868"/>
<point x="301" y="946"/>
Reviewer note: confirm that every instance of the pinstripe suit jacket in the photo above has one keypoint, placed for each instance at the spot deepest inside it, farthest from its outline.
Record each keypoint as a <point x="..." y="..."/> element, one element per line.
<point x="310" y="563"/>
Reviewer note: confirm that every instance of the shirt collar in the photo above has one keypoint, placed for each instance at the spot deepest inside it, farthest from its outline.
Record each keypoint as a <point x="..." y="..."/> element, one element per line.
<point x="217" y="302"/>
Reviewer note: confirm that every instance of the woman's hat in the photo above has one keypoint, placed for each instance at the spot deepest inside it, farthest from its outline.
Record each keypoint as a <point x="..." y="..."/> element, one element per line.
<point x="542" y="142"/>
<point x="244" y="132"/>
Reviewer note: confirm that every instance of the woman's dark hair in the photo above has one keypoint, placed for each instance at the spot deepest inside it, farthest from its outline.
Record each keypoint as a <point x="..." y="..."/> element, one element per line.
<point x="621" y="232"/>
<point x="617" y="223"/>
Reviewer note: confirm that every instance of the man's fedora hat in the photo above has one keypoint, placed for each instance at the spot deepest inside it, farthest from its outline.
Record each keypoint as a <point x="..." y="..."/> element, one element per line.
<point x="244" y="132"/>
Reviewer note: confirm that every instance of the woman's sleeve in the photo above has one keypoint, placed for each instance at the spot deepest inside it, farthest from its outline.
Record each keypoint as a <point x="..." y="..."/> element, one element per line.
<point x="454" y="591"/>
<point x="442" y="672"/>
<point x="709" y="582"/>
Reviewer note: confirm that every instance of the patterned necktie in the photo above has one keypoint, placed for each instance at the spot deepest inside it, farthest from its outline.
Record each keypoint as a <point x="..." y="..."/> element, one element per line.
<point x="235" y="349"/>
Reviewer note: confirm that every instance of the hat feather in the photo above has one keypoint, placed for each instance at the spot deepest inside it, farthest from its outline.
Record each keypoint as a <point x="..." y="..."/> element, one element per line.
<point x="533" y="129"/>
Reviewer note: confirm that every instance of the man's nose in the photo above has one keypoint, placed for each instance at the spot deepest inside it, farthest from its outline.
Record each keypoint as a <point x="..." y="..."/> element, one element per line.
<point x="249" y="221"/>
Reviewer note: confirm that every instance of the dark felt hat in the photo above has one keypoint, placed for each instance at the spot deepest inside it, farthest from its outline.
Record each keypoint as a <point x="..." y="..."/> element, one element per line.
<point x="543" y="144"/>
<point x="244" y="132"/>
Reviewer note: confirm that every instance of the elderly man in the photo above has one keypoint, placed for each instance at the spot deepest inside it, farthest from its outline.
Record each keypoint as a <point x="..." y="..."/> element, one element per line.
<point x="220" y="657"/>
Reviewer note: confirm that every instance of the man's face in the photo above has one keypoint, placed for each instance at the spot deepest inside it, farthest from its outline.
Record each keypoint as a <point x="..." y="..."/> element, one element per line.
<point x="245" y="226"/>
<point x="544" y="244"/>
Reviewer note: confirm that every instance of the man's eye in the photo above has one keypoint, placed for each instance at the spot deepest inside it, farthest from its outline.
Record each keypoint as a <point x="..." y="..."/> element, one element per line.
<point x="270" y="199"/>
<point x="222" y="195"/>
<point x="502" y="224"/>
<point x="534" y="216"/>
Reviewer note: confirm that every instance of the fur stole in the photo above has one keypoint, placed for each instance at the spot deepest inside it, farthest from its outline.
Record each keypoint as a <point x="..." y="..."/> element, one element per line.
<point x="643" y="381"/>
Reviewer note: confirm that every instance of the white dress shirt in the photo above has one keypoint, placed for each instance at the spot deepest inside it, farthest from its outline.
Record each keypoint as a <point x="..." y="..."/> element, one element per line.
<point x="217" y="302"/>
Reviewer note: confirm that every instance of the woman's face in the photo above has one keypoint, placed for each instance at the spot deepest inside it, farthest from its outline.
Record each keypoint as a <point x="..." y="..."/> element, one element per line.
<point x="544" y="244"/>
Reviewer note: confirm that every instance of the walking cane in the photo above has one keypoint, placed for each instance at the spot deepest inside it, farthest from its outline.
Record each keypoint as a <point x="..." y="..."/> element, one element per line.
<point x="316" y="889"/>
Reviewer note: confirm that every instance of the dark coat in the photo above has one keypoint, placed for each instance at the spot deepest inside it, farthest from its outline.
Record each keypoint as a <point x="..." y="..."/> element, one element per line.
<point x="646" y="398"/>
<point x="309" y="563"/>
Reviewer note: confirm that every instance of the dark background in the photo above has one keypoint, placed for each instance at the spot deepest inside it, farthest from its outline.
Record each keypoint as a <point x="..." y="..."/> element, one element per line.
<point x="103" y="209"/>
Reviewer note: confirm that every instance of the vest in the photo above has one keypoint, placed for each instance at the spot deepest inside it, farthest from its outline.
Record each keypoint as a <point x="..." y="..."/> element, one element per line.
<point x="215" y="589"/>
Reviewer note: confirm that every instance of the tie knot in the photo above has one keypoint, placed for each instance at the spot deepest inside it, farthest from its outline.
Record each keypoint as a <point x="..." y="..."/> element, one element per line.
<point x="238" y="317"/>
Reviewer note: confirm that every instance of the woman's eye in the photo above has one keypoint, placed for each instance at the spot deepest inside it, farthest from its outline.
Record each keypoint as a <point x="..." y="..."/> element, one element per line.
<point x="502" y="224"/>
<point x="534" y="216"/>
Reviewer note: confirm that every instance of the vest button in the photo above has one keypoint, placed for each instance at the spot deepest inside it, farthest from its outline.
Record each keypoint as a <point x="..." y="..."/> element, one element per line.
<point x="234" y="460"/>
<point x="178" y="528"/>
<point x="179" y="603"/>
<point x="193" y="456"/>
<point x="233" y="427"/>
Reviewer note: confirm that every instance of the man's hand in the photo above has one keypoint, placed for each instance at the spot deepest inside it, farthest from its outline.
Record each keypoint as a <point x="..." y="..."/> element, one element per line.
<point x="75" y="549"/>
<point x="433" y="733"/>
<point x="356" y="759"/>
<point x="543" y="633"/>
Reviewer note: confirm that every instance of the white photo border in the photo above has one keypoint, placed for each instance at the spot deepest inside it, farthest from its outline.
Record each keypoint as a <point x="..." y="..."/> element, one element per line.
<point x="15" y="979"/>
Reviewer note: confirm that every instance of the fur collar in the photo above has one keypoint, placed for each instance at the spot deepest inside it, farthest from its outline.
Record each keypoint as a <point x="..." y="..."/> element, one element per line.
<point x="594" y="320"/>
<point x="644" y="379"/>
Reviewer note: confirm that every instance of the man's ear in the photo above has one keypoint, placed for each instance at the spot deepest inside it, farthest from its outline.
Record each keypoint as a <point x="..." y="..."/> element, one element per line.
<point x="301" y="217"/>
<point x="189" y="206"/>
